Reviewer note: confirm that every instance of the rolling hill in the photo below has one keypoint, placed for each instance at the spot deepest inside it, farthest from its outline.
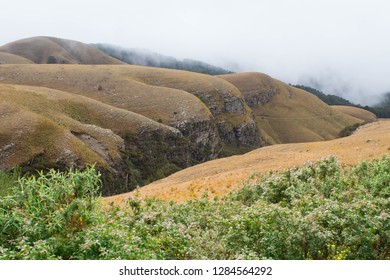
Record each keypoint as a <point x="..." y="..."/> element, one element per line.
<point x="141" y="124"/>
<point x="52" y="50"/>
<point x="356" y="112"/>
<point x="285" y="114"/>
<point x="185" y="100"/>
<point x="199" y="124"/>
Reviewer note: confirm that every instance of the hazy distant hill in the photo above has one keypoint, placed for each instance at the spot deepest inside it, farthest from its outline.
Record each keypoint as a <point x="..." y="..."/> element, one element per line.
<point x="329" y="99"/>
<point x="52" y="50"/>
<point x="381" y="109"/>
<point x="148" y="58"/>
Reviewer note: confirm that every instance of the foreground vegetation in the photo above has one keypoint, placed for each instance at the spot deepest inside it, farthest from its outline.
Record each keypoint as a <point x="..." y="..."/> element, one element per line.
<point x="320" y="211"/>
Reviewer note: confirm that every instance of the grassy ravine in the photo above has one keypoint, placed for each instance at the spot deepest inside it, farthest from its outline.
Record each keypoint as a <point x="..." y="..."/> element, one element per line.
<point x="320" y="211"/>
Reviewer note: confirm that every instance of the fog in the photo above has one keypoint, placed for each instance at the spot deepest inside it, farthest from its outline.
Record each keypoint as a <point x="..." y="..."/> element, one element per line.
<point x="340" y="47"/>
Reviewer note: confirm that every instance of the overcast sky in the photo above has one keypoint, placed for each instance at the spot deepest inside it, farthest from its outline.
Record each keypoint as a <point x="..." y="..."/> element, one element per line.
<point x="341" y="46"/>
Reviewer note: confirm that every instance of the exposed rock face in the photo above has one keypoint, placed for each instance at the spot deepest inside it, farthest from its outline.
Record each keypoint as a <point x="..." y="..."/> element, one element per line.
<point x="234" y="121"/>
<point x="96" y="146"/>
<point x="257" y="88"/>
<point x="248" y="134"/>
<point x="244" y="135"/>
<point x="225" y="101"/>
<point x="204" y="138"/>
<point x="258" y="96"/>
<point x="232" y="124"/>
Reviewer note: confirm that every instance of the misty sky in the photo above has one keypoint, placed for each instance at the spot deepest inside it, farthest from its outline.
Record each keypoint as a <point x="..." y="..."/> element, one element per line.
<point x="340" y="46"/>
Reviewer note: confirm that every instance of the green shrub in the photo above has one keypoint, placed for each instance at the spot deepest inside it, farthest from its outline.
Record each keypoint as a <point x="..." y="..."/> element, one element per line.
<point x="8" y="180"/>
<point x="44" y="212"/>
<point x="319" y="211"/>
<point x="349" y="130"/>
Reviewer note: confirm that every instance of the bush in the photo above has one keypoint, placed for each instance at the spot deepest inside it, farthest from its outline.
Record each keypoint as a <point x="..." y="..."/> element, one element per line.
<point x="319" y="211"/>
<point x="349" y="130"/>
<point x="51" y="60"/>
<point x="42" y="215"/>
<point x="8" y="180"/>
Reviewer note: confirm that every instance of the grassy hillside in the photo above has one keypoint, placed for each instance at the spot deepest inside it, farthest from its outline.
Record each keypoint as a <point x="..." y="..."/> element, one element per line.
<point x="55" y="50"/>
<point x="188" y="101"/>
<point x="218" y="177"/>
<point x="229" y="99"/>
<point x="7" y="58"/>
<point x="358" y="113"/>
<point x="285" y="114"/>
<point x="41" y="127"/>
<point x="141" y="124"/>
<point x="162" y="129"/>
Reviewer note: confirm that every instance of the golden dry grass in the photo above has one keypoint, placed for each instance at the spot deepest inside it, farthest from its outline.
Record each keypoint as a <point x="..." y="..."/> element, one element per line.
<point x="291" y="115"/>
<point x="7" y="58"/>
<point x="146" y="87"/>
<point x="38" y="49"/>
<point x="39" y="120"/>
<point x="251" y="83"/>
<point x="221" y="176"/>
<point x="212" y="90"/>
<point x="358" y="113"/>
<point x="112" y="85"/>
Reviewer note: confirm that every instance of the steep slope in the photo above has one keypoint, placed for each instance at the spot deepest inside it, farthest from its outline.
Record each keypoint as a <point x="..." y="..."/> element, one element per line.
<point x="285" y="114"/>
<point x="355" y="112"/>
<point x="7" y="58"/>
<point x="55" y="50"/>
<point x="221" y="176"/>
